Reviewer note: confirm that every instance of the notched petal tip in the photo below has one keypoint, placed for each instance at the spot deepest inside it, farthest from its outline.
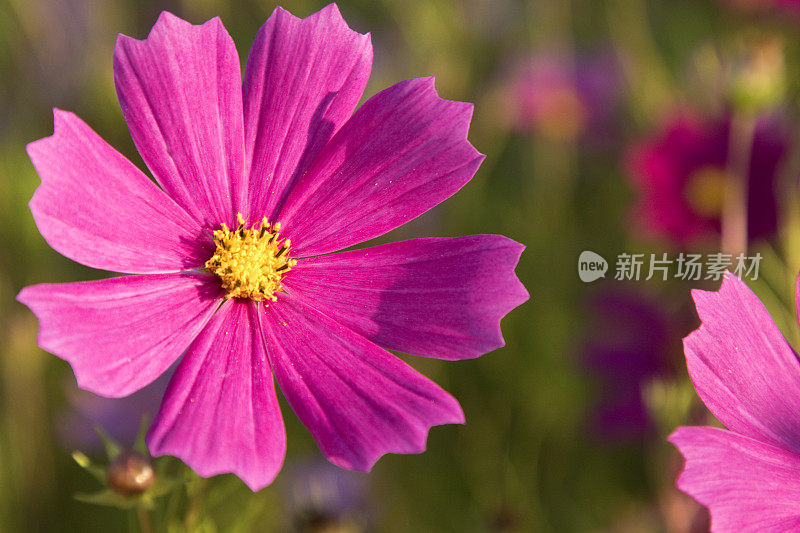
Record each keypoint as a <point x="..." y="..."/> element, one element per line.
<point x="418" y="444"/>
<point x="464" y="110"/>
<point x="60" y="117"/>
<point x="166" y="23"/>
<point x="331" y="14"/>
<point x="742" y="367"/>
<point x="517" y="293"/>
<point x="691" y="340"/>
<point x="91" y="325"/>
<point x="180" y="93"/>
<point x="415" y="443"/>
<point x="220" y="413"/>
<point x="334" y="16"/>
<point x="324" y="97"/>
<point x="89" y="197"/>
<point x="332" y="8"/>
<point x="432" y="297"/>
<point x="21" y="296"/>
<point x="167" y="20"/>
<point x="677" y="436"/>
<point x="405" y="139"/>
<point x="685" y="439"/>
<point x="680" y="438"/>
<point x="27" y="297"/>
<point x="358" y="401"/>
<point x="707" y="302"/>
<point x="746" y="484"/>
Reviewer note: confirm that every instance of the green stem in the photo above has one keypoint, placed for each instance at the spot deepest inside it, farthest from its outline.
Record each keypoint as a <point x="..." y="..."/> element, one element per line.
<point x="643" y="66"/>
<point x="145" y="523"/>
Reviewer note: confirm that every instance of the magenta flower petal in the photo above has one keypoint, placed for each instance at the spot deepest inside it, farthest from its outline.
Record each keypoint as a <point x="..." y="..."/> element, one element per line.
<point x="181" y="93"/>
<point x="120" y="334"/>
<point x="303" y="80"/>
<point x="742" y="367"/>
<point x="95" y="207"/>
<point x="747" y="485"/>
<point x="220" y="413"/>
<point x="432" y="297"/>
<point x="358" y="401"/>
<point x="404" y="151"/>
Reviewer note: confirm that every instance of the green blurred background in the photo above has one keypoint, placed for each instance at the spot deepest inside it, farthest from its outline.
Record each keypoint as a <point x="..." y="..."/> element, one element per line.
<point x="529" y="457"/>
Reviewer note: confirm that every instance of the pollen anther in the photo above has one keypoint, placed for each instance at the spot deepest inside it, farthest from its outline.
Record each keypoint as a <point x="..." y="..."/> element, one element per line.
<point x="250" y="262"/>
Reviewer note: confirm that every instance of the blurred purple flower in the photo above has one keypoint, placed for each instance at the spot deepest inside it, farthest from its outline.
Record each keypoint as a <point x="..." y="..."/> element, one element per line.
<point x="320" y="497"/>
<point x="119" y="417"/>
<point x="62" y="32"/>
<point x="566" y="100"/>
<point x="628" y="345"/>
<point x="680" y="175"/>
<point x="214" y="278"/>
<point x="749" y="378"/>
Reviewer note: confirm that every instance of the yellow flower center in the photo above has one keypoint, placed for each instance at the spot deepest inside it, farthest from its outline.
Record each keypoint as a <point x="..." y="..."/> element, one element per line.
<point x="705" y="190"/>
<point x="250" y="262"/>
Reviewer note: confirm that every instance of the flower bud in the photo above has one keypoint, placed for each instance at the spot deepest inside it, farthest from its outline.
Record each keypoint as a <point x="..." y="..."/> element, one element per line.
<point x="130" y="473"/>
<point x="759" y="75"/>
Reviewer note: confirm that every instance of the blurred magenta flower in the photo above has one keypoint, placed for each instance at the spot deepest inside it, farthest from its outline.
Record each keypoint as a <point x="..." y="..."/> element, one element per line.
<point x="627" y="346"/>
<point x="680" y="176"/>
<point x="792" y="5"/>
<point x="565" y="99"/>
<point x="787" y="6"/>
<point x="749" y="377"/>
<point x="245" y="302"/>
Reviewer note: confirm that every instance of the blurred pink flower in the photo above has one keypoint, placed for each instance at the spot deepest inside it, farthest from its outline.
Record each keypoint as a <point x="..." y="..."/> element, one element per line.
<point x="679" y="176"/>
<point x="232" y="156"/>
<point x="749" y="377"/>
<point x="565" y="100"/>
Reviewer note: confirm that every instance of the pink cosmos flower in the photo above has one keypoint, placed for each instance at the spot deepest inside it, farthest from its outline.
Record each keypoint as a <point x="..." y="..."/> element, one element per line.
<point x="680" y="176"/>
<point x="244" y="166"/>
<point x="749" y="377"/>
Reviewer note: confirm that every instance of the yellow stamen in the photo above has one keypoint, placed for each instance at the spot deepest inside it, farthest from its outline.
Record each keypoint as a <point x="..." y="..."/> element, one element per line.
<point x="250" y="262"/>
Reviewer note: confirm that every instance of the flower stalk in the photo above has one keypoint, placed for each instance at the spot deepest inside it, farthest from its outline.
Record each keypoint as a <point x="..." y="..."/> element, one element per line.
<point x="734" y="209"/>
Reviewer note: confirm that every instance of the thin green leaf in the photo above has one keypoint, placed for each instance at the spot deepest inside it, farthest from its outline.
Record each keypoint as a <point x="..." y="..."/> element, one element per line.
<point x="84" y="462"/>
<point x="113" y="448"/>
